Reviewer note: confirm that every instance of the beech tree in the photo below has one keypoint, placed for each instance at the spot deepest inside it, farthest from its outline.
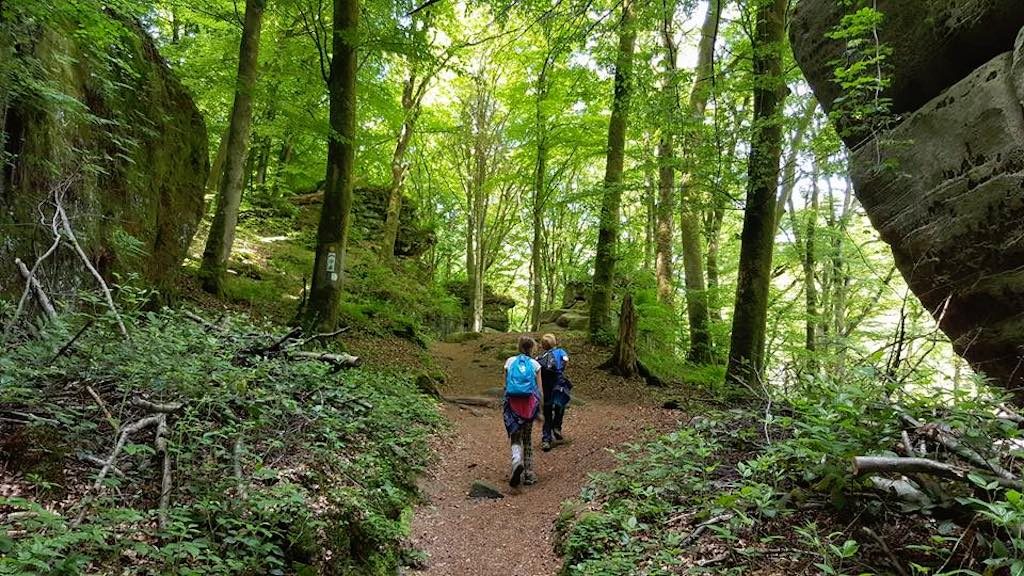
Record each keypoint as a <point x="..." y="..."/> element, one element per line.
<point x="757" y="241"/>
<point x="321" y="310"/>
<point x="231" y="163"/>
<point x="608" y="229"/>
<point x="701" y="347"/>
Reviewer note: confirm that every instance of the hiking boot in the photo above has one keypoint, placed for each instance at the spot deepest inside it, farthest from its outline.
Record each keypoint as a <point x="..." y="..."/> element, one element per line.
<point x="558" y="436"/>
<point x="517" y="465"/>
<point x="529" y="478"/>
<point x="546" y="446"/>
<point x="517" y="473"/>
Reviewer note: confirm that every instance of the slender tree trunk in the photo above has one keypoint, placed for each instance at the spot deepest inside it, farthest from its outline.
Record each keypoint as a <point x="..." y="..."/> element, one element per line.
<point x="746" y="353"/>
<point x="650" y="216"/>
<point x="332" y="233"/>
<point x="714" y="233"/>
<point x="810" y="283"/>
<point x="608" y="231"/>
<point x="539" y="199"/>
<point x="217" y="166"/>
<point x="222" y="230"/>
<point x="789" y="176"/>
<point x="667" y="163"/>
<point x="701" y="346"/>
<point x="411" y="98"/>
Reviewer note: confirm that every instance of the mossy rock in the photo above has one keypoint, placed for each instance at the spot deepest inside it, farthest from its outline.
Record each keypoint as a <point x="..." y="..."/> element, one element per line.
<point x="139" y="212"/>
<point x="461" y="337"/>
<point x="430" y="383"/>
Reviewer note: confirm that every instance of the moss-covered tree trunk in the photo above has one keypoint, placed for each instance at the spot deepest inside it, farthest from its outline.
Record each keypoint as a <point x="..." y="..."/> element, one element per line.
<point x="697" y="310"/>
<point x="229" y="197"/>
<point x="608" y="231"/>
<point x="332" y="234"/>
<point x="746" y="352"/>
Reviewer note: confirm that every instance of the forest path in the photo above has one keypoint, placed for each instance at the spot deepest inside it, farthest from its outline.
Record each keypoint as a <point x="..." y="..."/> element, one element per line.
<point x="513" y="536"/>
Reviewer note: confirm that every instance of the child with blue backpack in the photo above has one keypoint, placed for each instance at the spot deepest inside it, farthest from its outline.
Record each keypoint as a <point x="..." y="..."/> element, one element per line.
<point x="522" y="403"/>
<point x="556" y="389"/>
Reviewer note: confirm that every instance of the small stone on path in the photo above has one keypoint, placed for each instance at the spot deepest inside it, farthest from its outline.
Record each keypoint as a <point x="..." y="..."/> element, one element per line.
<point x="482" y="489"/>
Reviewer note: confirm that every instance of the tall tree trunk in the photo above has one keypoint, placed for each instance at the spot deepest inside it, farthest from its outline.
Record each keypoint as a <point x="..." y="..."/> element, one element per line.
<point x="714" y="232"/>
<point x="650" y="216"/>
<point x="746" y="353"/>
<point x="222" y="230"/>
<point x="608" y="231"/>
<point x="809" y="262"/>
<point x="332" y="233"/>
<point x="666" y="163"/>
<point x="539" y="198"/>
<point x="701" y="346"/>
<point x="412" y="94"/>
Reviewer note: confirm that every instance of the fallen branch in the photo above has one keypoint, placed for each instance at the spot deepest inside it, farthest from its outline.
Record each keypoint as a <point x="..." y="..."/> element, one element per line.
<point x="703" y="526"/>
<point x="167" y="408"/>
<point x="888" y="551"/>
<point x="864" y="465"/>
<point x="339" y="360"/>
<point x="92" y="269"/>
<point x="902" y="489"/>
<point x="944" y="435"/>
<point x="160" y="443"/>
<point x="28" y="288"/>
<point x="201" y="321"/>
<point x="64" y="349"/>
<point x="315" y="337"/>
<point x="96" y="460"/>
<point x="27" y="417"/>
<point x="103" y="406"/>
<point x="122" y="438"/>
<point x="37" y="289"/>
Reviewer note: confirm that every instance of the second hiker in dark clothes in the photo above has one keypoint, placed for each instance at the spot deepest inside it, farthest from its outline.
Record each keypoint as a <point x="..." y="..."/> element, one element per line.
<point x="556" y="389"/>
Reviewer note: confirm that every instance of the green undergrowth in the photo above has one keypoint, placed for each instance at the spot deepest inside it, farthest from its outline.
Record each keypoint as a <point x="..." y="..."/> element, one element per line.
<point x="279" y="466"/>
<point x="269" y="275"/>
<point x="768" y="488"/>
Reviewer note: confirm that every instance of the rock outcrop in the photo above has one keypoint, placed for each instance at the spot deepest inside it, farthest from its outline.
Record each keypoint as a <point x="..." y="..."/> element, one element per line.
<point x="945" y="186"/>
<point x="496" y="307"/>
<point x="112" y="128"/>
<point x="369" y="210"/>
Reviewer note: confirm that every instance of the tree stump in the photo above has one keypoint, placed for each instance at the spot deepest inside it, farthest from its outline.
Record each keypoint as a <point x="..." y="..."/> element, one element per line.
<point x="624" y="362"/>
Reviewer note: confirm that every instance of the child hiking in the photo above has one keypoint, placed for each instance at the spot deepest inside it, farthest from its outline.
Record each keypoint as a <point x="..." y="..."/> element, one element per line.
<point x="556" y="389"/>
<point x="522" y="402"/>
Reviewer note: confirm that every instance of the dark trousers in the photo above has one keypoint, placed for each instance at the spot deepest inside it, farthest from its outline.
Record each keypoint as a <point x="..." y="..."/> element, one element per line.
<point x="553" y="416"/>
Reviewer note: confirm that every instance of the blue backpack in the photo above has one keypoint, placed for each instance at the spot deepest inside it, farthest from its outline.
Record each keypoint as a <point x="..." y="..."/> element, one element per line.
<point x="521" y="379"/>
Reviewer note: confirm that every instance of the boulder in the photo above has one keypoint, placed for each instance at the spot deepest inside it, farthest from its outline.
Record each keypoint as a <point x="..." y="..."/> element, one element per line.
<point x="124" y="144"/>
<point x="945" y="186"/>
<point x="574" y="320"/>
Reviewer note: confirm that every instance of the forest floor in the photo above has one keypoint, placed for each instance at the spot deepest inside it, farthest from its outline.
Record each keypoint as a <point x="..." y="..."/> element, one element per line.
<point x="515" y="534"/>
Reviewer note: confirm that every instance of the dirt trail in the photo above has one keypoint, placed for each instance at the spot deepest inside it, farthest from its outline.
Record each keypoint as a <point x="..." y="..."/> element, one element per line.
<point x="513" y="536"/>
